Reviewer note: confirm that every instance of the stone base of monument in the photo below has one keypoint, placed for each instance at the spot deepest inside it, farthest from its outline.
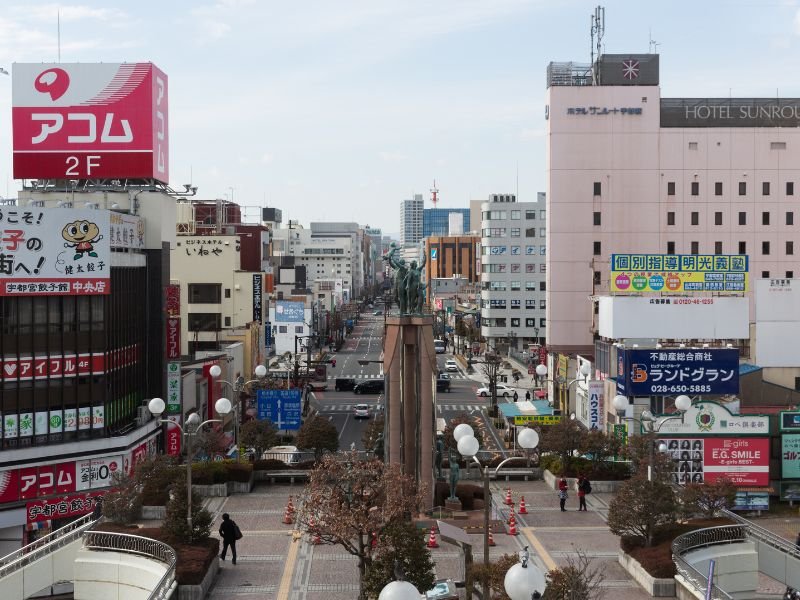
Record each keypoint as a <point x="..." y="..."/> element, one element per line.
<point x="452" y="504"/>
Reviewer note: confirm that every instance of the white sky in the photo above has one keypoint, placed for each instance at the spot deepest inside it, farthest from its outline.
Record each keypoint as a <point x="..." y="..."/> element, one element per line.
<point x="337" y="110"/>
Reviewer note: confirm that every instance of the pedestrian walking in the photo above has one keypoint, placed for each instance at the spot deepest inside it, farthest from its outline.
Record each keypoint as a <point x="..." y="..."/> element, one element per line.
<point x="527" y="395"/>
<point x="562" y="493"/>
<point x="230" y="532"/>
<point x="582" y="481"/>
<point x="516" y="396"/>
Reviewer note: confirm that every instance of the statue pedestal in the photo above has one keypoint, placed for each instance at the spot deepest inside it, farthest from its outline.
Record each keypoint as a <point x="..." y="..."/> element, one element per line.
<point x="450" y="504"/>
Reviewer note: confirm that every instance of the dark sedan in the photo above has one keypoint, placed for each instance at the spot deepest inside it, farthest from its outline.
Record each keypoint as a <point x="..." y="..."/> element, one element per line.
<point x="371" y="386"/>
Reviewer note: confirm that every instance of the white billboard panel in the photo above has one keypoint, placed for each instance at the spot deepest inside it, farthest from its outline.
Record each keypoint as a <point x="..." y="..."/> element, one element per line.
<point x="776" y="344"/>
<point x="674" y="318"/>
<point x="777" y="300"/>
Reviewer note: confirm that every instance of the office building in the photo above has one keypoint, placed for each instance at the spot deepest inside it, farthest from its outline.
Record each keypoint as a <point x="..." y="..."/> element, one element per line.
<point x="436" y="221"/>
<point x="411" y="212"/>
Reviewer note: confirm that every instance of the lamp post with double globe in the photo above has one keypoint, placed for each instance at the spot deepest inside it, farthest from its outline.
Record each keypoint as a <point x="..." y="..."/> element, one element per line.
<point x="193" y="426"/>
<point x="238" y="387"/>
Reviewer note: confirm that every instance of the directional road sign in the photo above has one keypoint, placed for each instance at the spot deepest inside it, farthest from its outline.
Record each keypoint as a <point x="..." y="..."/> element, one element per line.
<point x="282" y="407"/>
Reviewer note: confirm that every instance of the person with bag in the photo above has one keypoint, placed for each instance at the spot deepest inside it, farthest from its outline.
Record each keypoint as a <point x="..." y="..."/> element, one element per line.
<point x="562" y="493"/>
<point x="230" y="532"/>
<point x="584" y="487"/>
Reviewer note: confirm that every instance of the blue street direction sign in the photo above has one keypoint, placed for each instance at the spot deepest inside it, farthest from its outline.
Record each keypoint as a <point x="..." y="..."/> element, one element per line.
<point x="282" y="407"/>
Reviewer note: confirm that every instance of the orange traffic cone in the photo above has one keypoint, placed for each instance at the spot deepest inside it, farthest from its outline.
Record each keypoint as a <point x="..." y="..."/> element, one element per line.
<point x="312" y="528"/>
<point x="432" y="543"/>
<point x="290" y="506"/>
<point x="522" y="509"/>
<point x="491" y="538"/>
<point x="287" y="517"/>
<point x="512" y="526"/>
<point x="508" y="499"/>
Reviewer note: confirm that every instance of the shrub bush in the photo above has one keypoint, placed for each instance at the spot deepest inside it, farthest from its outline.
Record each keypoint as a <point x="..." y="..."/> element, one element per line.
<point x="270" y="464"/>
<point x="154" y="476"/>
<point x="208" y="473"/>
<point x="240" y="472"/>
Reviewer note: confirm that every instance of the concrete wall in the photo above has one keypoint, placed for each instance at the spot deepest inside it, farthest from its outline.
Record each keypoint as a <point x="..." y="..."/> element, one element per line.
<point x="736" y="569"/>
<point x="115" y="576"/>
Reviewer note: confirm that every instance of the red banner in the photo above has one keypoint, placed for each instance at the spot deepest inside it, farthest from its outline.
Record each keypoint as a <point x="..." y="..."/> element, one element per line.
<point x="173" y="437"/>
<point x="173" y="338"/>
<point x="59" y="508"/>
<point x="745" y="461"/>
<point x="173" y="299"/>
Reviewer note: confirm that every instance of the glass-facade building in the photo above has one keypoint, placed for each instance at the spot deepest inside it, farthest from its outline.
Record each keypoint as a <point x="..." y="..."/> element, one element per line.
<point x="436" y="221"/>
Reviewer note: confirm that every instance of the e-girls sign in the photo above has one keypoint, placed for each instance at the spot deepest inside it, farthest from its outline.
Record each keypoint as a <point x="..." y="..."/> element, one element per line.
<point x="666" y="372"/>
<point x="679" y="273"/>
<point x="744" y="461"/>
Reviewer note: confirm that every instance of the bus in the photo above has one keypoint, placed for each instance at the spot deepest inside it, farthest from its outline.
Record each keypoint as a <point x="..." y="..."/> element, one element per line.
<point x="439" y="346"/>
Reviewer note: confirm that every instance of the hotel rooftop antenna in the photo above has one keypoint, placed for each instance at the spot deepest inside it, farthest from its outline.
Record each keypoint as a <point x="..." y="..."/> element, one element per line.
<point x="652" y="46"/>
<point x="597" y="29"/>
<point x="434" y="192"/>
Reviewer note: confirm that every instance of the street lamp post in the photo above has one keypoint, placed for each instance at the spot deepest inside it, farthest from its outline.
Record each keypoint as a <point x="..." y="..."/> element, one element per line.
<point x="650" y="423"/>
<point x="524" y="581"/>
<point x="238" y="387"/>
<point x="156" y="407"/>
<point x="584" y="371"/>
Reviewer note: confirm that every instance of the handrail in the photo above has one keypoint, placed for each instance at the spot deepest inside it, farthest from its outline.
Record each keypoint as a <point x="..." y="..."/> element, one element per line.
<point x="45" y="545"/>
<point x="764" y="535"/>
<point x="141" y="546"/>
<point x="702" y="538"/>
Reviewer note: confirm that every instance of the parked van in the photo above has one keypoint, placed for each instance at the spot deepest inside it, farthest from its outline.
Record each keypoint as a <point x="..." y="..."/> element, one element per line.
<point x="288" y="454"/>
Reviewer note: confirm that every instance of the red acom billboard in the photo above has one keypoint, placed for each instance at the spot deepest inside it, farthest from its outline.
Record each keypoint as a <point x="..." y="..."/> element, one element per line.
<point x="80" y="121"/>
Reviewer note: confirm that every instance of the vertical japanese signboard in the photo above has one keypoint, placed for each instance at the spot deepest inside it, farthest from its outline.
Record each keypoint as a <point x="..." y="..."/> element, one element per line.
<point x="84" y="120"/>
<point x="173" y="299"/>
<point x="257" y="289"/>
<point x="173" y="388"/>
<point x="173" y="437"/>
<point x="173" y="338"/>
<point x="596" y="405"/>
<point x="54" y="252"/>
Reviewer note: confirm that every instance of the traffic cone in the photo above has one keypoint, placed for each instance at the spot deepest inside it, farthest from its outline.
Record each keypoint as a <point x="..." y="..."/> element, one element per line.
<point x="290" y="507"/>
<point x="491" y="538"/>
<point x="522" y="509"/>
<point x="512" y="525"/>
<point x="287" y="517"/>
<point x="432" y="543"/>
<point x="312" y="528"/>
<point x="508" y="499"/>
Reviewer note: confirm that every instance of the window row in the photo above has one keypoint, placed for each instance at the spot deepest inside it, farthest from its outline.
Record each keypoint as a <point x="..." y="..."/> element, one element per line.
<point x="513" y="268"/>
<point x="516" y="215"/>
<point x="742" y="217"/>
<point x="766" y="188"/>
<point x="515" y="250"/>
<point x="766" y="248"/>
<point x="502" y="322"/>
<point x="502" y="304"/>
<point x="530" y="232"/>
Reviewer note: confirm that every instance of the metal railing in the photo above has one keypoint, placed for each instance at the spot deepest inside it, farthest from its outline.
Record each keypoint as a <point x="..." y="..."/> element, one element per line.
<point x="45" y="545"/>
<point x="703" y="538"/>
<point x="106" y="541"/>
<point x="763" y="535"/>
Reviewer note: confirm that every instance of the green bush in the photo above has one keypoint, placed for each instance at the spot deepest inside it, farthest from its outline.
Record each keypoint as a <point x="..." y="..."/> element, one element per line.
<point x="240" y="472"/>
<point x="270" y="464"/>
<point x="154" y="476"/>
<point x="208" y="473"/>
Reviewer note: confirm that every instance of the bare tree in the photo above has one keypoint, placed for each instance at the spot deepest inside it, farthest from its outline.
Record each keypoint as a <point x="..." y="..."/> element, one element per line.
<point x="565" y="438"/>
<point x="490" y="367"/>
<point x="641" y="508"/>
<point x="576" y="579"/>
<point x="259" y="435"/>
<point x="346" y="502"/>
<point x="708" y="498"/>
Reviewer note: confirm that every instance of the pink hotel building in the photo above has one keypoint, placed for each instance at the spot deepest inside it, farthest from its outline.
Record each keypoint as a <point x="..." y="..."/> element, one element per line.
<point x="631" y="172"/>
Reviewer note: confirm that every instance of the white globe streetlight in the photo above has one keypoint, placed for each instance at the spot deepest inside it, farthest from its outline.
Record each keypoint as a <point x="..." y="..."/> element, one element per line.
<point x="215" y="371"/>
<point x="261" y="371"/>
<point x="620" y="403"/>
<point x="683" y="403"/>
<point x="521" y="582"/>
<point x="399" y="590"/>
<point x="463" y="430"/>
<point x="156" y="406"/>
<point x="585" y="369"/>
<point x="222" y="406"/>
<point x="541" y="370"/>
<point x="528" y="439"/>
<point x="468" y="446"/>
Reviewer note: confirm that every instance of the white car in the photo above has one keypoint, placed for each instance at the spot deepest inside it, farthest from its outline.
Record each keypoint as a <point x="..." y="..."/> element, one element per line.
<point x="451" y="365"/>
<point x="502" y="391"/>
<point x="361" y="411"/>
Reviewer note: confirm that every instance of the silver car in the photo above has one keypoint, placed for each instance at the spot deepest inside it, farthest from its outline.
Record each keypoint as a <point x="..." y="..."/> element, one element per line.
<point x="361" y="411"/>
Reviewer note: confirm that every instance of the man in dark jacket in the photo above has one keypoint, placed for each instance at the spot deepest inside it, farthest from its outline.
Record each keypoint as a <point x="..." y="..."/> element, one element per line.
<point x="227" y="530"/>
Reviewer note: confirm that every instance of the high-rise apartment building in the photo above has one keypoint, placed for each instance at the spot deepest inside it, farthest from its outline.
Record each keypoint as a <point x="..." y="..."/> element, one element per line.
<point x="411" y="220"/>
<point x="513" y="273"/>
<point x="630" y="172"/>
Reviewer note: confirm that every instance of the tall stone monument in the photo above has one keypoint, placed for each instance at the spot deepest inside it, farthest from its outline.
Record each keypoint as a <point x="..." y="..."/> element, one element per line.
<point x="409" y="363"/>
